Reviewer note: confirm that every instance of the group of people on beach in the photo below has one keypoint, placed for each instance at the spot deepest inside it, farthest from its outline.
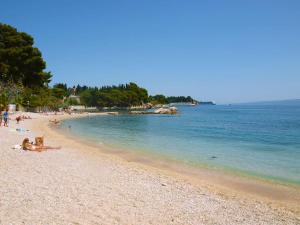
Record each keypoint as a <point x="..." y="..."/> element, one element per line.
<point x="22" y="117"/>
<point x="4" y="117"/>
<point x="37" y="146"/>
<point x="26" y="144"/>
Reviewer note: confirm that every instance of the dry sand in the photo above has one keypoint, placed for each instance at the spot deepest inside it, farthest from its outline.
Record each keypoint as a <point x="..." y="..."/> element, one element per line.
<point x="81" y="184"/>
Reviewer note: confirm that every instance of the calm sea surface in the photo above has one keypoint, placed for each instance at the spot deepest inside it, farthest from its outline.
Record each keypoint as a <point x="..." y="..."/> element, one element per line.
<point x="260" y="140"/>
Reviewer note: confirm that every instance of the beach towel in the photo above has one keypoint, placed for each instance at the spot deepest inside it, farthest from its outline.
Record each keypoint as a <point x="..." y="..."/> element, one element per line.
<point x="17" y="147"/>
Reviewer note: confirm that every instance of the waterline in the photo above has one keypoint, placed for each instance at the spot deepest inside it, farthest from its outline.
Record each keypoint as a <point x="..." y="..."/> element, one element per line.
<point x="251" y="140"/>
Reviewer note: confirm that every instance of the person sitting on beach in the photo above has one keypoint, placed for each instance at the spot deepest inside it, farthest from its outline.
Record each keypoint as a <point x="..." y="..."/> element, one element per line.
<point x="18" y="119"/>
<point x="29" y="146"/>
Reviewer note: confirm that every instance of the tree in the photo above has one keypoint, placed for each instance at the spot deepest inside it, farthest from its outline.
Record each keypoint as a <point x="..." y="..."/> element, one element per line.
<point x="60" y="91"/>
<point x="173" y="99"/>
<point x="20" y="61"/>
<point x="158" y="99"/>
<point x="109" y="96"/>
<point x="11" y="92"/>
<point x="3" y="101"/>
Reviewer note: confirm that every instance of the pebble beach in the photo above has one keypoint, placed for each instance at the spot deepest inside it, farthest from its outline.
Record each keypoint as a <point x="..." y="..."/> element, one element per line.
<point x="80" y="184"/>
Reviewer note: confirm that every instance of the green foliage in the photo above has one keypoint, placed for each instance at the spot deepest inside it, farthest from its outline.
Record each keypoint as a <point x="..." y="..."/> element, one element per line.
<point x="123" y="96"/>
<point x="60" y="91"/>
<point x="20" y="61"/>
<point x="10" y="93"/>
<point x="41" y="98"/>
<point x="4" y="101"/>
<point x="158" y="99"/>
<point x="88" y="97"/>
<point x="174" y="99"/>
<point x="71" y="101"/>
<point x="23" y="80"/>
<point x="109" y="96"/>
<point x="161" y="99"/>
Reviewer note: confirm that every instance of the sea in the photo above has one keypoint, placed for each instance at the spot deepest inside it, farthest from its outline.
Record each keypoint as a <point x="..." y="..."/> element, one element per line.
<point x="260" y="140"/>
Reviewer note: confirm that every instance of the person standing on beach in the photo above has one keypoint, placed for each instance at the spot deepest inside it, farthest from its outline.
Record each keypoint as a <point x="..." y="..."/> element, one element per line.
<point x="5" y="117"/>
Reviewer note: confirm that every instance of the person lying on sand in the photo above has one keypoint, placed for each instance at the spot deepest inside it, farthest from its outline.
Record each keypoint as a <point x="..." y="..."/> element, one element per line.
<point x="29" y="146"/>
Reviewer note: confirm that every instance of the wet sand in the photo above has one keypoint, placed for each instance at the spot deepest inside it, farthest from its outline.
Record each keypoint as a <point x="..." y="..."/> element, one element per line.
<point x="87" y="184"/>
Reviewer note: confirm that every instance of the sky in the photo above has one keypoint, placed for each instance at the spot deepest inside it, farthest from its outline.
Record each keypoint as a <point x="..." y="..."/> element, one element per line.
<point x="227" y="51"/>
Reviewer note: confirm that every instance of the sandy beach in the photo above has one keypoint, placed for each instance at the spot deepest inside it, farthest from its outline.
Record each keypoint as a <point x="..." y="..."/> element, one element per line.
<point x="81" y="184"/>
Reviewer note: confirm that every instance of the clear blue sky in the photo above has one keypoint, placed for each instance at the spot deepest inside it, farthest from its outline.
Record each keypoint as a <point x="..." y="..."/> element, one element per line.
<point x="227" y="51"/>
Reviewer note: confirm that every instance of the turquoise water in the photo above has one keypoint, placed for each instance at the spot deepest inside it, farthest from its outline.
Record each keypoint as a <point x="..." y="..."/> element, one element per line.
<point x="261" y="140"/>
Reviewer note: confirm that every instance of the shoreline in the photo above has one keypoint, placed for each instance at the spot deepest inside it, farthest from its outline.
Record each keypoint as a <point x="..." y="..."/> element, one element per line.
<point x="226" y="182"/>
<point x="153" y="157"/>
<point x="118" y="182"/>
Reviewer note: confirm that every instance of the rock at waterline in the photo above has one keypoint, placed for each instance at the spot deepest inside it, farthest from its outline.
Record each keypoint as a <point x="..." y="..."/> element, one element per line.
<point x="171" y="110"/>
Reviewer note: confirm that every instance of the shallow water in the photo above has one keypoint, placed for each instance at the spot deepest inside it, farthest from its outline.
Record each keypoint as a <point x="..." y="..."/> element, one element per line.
<point x="261" y="140"/>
